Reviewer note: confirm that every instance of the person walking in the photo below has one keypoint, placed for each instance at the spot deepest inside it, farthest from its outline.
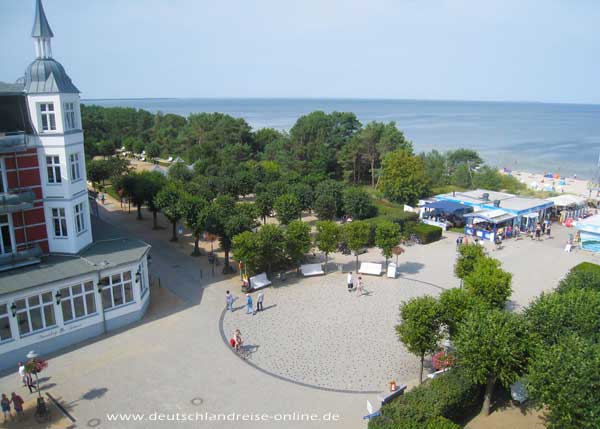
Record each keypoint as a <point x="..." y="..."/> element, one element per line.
<point x="229" y="301"/>
<point x="5" y="405"/>
<point x="350" y="282"/>
<point x="548" y="230"/>
<point x="359" y="286"/>
<point x="249" y="305"/>
<point x="17" y="402"/>
<point x="237" y="337"/>
<point x="25" y="377"/>
<point x="538" y="232"/>
<point x="259" y="301"/>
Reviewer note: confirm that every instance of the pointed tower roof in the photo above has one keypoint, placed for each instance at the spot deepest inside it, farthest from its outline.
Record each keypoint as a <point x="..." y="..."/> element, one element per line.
<point x="41" y="28"/>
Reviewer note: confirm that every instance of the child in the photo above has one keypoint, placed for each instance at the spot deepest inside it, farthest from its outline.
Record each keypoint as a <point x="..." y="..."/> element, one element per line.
<point x="5" y="405"/>
<point x="17" y="404"/>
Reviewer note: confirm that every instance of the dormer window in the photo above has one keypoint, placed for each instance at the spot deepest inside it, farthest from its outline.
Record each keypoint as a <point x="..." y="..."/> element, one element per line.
<point x="70" y="123"/>
<point x="48" y="117"/>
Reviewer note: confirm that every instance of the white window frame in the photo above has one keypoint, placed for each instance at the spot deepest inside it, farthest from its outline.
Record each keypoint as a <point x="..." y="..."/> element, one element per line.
<point x="41" y="305"/>
<point x="143" y="285"/>
<point x="79" y="213"/>
<point x="3" y="178"/>
<point x="75" y="167"/>
<point x="70" y="117"/>
<point x="48" y="115"/>
<point x="11" y="233"/>
<point x="68" y="297"/>
<point x="53" y="169"/>
<point x="116" y="281"/>
<point x="59" y="214"/>
<point x="5" y="314"/>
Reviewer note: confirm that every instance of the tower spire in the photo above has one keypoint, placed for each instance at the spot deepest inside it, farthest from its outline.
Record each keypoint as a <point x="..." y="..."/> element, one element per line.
<point x="41" y="32"/>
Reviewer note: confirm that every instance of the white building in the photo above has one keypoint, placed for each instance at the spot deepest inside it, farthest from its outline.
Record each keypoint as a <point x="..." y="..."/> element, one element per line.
<point x="64" y="277"/>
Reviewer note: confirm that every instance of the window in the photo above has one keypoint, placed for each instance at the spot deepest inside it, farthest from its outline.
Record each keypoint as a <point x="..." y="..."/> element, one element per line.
<point x="47" y="115"/>
<point x="70" y="116"/>
<point x="116" y="290"/>
<point x="79" y="218"/>
<point x="6" y="243"/>
<point x="5" y="332"/>
<point x="35" y="313"/>
<point x="2" y="182"/>
<point x="53" y="167"/>
<point x="75" y="173"/>
<point x="77" y="301"/>
<point x="60" y="222"/>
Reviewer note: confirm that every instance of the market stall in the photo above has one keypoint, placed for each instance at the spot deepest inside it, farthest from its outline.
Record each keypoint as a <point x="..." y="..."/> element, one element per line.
<point x="486" y="224"/>
<point x="444" y="214"/>
<point x="589" y="233"/>
<point x="567" y="206"/>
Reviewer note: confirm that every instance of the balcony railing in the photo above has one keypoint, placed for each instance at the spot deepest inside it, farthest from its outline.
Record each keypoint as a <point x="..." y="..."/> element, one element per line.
<point x="31" y="255"/>
<point x="13" y="142"/>
<point x="16" y="200"/>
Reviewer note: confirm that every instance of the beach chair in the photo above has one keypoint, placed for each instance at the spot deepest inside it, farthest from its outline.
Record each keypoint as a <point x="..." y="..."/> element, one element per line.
<point x="370" y="268"/>
<point x="308" y="270"/>
<point x="259" y="281"/>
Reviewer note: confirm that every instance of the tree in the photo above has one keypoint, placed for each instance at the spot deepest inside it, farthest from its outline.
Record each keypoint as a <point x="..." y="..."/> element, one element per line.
<point x="387" y="235"/>
<point x="435" y="168"/>
<point x="297" y="241"/>
<point x="170" y="201"/>
<point x="97" y="172"/>
<point x="153" y="150"/>
<point x="154" y="182"/>
<point x="130" y="143"/>
<point x="245" y="248"/>
<point x="270" y="245"/>
<point x="492" y="345"/>
<point x="357" y="235"/>
<point x="489" y="282"/>
<point x="462" y="156"/>
<point x="179" y="171"/>
<point x="403" y="178"/>
<point x="264" y="203"/>
<point x="565" y="378"/>
<point x="195" y="218"/>
<point x="556" y="314"/>
<point x="462" y="176"/>
<point x="135" y="185"/>
<point x="468" y="255"/>
<point x="305" y="195"/>
<point x="488" y="178"/>
<point x="287" y="208"/>
<point x="583" y="276"/>
<point x="139" y="146"/>
<point x="419" y="329"/>
<point x="325" y="207"/>
<point x="455" y="304"/>
<point x="105" y="148"/>
<point x="327" y="238"/>
<point x="357" y="203"/>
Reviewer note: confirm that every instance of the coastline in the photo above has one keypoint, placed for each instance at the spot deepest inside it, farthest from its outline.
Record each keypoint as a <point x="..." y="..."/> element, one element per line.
<point x="538" y="182"/>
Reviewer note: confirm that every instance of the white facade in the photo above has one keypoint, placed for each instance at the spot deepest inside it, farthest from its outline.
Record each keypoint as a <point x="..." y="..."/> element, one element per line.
<point x="42" y="313"/>
<point x="57" y="121"/>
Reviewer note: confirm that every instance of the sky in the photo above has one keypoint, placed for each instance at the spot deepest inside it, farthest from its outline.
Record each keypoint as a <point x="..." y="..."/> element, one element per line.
<point x="505" y="50"/>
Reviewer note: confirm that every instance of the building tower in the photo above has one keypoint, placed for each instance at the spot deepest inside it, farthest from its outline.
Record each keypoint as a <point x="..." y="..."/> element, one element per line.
<point x="54" y="107"/>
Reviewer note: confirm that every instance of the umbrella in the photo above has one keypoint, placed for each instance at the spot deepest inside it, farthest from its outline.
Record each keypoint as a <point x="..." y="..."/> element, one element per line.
<point x="397" y="250"/>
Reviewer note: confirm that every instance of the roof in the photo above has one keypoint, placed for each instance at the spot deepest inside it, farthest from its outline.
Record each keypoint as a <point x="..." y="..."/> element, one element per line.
<point x="567" y="200"/>
<point x="113" y="250"/>
<point x="589" y="224"/>
<point x="41" y="28"/>
<point x="485" y="199"/>
<point x="46" y="75"/>
<point x="446" y="206"/>
<point x="493" y="216"/>
<point x="11" y="89"/>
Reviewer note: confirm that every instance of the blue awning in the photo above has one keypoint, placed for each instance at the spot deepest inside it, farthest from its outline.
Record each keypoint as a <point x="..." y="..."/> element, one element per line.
<point x="446" y="206"/>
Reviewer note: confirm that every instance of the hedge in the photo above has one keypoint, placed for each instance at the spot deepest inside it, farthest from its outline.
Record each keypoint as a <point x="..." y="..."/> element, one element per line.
<point x="451" y="396"/>
<point x="427" y="233"/>
<point x="582" y="276"/>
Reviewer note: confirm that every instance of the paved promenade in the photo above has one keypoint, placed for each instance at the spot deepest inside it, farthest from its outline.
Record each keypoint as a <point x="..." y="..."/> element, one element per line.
<point x="175" y="360"/>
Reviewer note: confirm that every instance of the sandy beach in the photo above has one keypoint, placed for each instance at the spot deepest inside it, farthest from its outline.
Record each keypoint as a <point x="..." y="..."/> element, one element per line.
<point x="538" y="182"/>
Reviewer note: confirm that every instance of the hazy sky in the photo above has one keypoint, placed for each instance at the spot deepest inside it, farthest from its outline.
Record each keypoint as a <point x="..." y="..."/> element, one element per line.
<point x="544" y="50"/>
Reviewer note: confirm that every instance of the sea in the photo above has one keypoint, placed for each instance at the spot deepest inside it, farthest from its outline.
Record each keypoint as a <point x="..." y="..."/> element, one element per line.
<point x="523" y="136"/>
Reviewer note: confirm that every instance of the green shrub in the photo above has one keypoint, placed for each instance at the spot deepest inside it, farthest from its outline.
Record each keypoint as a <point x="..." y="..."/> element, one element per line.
<point x="451" y="396"/>
<point x="583" y="276"/>
<point x="427" y="233"/>
<point x="441" y="423"/>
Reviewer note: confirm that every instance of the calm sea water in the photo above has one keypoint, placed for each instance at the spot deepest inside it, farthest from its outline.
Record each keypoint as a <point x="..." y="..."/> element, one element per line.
<point x="538" y="137"/>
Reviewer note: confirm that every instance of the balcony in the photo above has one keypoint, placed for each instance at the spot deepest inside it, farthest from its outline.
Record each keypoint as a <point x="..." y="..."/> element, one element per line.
<point x="16" y="200"/>
<point x="29" y="256"/>
<point x="13" y="142"/>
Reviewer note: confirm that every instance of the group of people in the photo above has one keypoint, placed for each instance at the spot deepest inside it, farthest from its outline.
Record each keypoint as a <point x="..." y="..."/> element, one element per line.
<point x="356" y="285"/>
<point x="15" y="399"/>
<point x="260" y="299"/>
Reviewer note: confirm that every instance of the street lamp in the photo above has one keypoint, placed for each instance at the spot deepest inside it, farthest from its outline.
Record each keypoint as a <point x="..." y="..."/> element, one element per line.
<point x="57" y="296"/>
<point x="13" y="308"/>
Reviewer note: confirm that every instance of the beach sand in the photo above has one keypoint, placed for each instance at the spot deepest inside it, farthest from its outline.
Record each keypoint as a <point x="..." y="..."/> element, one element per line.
<point x="572" y="186"/>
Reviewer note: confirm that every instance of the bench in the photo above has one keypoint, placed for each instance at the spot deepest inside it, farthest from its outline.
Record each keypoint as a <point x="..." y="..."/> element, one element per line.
<point x="385" y="397"/>
<point x="437" y="373"/>
<point x="259" y="281"/>
<point x="370" y="268"/>
<point x="312" y="270"/>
